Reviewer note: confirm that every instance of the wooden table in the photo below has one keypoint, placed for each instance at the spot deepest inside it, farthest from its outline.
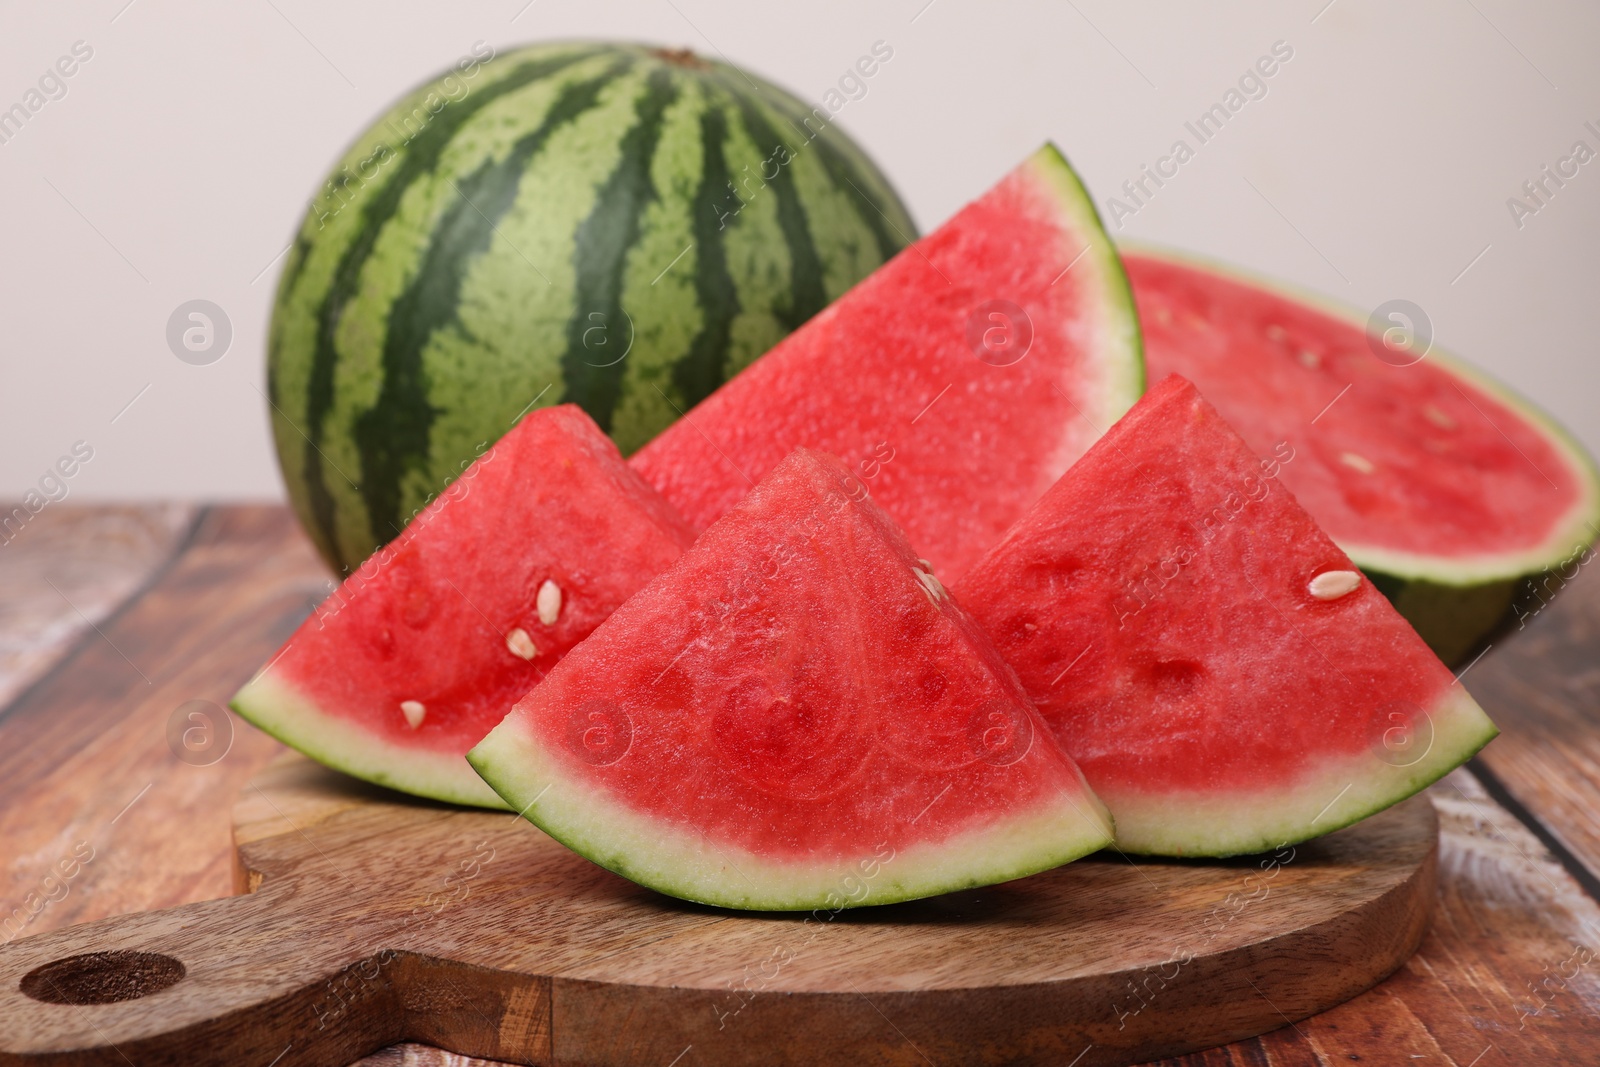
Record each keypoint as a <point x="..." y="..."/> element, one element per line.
<point x="114" y="619"/>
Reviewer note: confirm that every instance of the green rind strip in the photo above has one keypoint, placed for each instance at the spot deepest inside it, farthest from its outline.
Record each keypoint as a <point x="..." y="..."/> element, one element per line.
<point x="392" y="435"/>
<point x="807" y="295"/>
<point x="420" y="156"/>
<point x="678" y="860"/>
<point x="593" y="378"/>
<point x="1329" y="796"/>
<point x="296" y="720"/>
<point x="704" y="366"/>
<point x="658" y="279"/>
<point x="891" y="227"/>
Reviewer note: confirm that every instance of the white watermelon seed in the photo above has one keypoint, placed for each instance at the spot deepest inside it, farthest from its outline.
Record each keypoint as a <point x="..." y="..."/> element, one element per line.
<point x="1331" y="585"/>
<point x="549" y="602"/>
<point x="1439" y="418"/>
<point x="930" y="584"/>
<point x="1309" y="358"/>
<point x="1276" y="332"/>
<point x="414" y="712"/>
<point x="521" y="644"/>
<point x="1356" y="461"/>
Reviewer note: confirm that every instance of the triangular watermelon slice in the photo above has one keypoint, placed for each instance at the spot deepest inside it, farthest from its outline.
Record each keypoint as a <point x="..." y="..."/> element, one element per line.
<point x="1224" y="676"/>
<point x="422" y="649"/>
<point x="1443" y="485"/>
<point x="795" y="716"/>
<point x="959" y="380"/>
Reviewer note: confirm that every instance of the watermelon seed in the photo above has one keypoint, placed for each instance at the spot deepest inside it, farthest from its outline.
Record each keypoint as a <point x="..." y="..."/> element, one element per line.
<point x="1276" y="333"/>
<point x="1357" y="461"/>
<point x="1310" y="358"/>
<point x="414" y="712"/>
<point x="1439" y="418"/>
<point x="521" y="644"/>
<point x="1331" y="585"/>
<point x="930" y="584"/>
<point x="549" y="602"/>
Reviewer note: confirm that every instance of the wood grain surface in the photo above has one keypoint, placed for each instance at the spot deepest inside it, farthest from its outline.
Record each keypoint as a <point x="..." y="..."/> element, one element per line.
<point x="68" y="569"/>
<point x="376" y="917"/>
<point x="1505" y="974"/>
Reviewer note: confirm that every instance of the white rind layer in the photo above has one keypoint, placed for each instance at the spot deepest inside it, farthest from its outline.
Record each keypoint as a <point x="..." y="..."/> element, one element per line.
<point x="1333" y="794"/>
<point x="1122" y="380"/>
<point x="293" y="718"/>
<point x="682" y="862"/>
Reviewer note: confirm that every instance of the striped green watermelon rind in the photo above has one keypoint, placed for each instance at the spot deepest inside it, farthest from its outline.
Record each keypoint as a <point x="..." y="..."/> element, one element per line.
<point x="293" y="717"/>
<point x="501" y="246"/>
<point x="1338" y="794"/>
<point x="1457" y="605"/>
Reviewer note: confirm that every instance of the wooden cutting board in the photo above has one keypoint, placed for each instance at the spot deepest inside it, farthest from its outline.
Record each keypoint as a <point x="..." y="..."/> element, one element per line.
<point x="369" y="918"/>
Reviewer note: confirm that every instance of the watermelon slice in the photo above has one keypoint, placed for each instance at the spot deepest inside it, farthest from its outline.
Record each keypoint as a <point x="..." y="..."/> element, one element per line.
<point x="1442" y="485"/>
<point x="795" y="716"/>
<point x="1225" y="678"/>
<point x="959" y="380"/>
<point x="423" y="648"/>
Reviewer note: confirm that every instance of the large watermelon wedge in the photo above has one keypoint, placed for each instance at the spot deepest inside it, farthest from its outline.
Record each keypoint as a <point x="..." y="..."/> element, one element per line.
<point x="794" y="716"/>
<point x="423" y="648"/>
<point x="1444" y="486"/>
<point x="959" y="380"/>
<point x="1224" y="676"/>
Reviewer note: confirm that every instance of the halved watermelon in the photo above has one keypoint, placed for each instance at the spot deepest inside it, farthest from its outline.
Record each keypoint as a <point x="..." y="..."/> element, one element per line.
<point x="959" y="380"/>
<point x="1224" y="676"/>
<point x="427" y="644"/>
<point x="794" y="716"/>
<point x="1442" y="485"/>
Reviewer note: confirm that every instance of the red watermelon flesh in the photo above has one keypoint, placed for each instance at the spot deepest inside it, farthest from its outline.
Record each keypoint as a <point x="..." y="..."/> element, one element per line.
<point x="796" y="715"/>
<point x="1420" y="470"/>
<point x="959" y="380"/>
<point x="1224" y="676"/>
<point x="426" y="645"/>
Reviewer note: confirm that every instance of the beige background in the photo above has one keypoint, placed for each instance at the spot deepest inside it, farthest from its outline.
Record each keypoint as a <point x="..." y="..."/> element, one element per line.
<point x="1377" y="165"/>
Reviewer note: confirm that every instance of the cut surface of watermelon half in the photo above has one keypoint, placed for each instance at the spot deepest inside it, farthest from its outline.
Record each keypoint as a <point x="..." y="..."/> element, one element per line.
<point x="1225" y="677"/>
<point x="1441" y="484"/>
<point x="412" y="660"/>
<point x="959" y="380"/>
<point x="795" y="716"/>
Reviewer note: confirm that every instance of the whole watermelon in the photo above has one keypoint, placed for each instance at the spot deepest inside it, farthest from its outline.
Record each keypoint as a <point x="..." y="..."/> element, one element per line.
<point x="618" y="226"/>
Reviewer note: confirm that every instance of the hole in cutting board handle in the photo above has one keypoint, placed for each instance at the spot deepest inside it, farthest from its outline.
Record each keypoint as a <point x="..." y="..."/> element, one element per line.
<point x="102" y="977"/>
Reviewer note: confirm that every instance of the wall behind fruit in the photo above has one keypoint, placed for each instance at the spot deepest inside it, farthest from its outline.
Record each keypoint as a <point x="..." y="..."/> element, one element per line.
<point x="1376" y="163"/>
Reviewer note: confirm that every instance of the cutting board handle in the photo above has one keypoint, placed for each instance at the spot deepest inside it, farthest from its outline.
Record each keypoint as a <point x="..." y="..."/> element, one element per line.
<point x="238" y="980"/>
